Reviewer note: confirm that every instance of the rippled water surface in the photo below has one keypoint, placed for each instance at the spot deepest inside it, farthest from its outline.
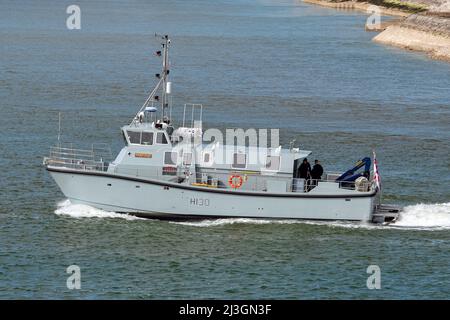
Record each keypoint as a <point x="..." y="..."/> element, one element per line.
<point x="310" y="71"/>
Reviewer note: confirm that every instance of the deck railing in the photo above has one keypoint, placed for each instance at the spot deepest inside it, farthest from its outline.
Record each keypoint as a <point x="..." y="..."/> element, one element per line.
<point x="96" y="158"/>
<point x="276" y="184"/>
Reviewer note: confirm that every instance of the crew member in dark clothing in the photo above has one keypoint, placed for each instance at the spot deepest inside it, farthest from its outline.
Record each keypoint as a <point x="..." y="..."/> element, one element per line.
<point x="317" y="170"/>
<point x="304" y="171"/>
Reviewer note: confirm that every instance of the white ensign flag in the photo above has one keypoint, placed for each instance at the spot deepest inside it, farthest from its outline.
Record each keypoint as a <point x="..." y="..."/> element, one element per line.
<point x="376" y="175"/>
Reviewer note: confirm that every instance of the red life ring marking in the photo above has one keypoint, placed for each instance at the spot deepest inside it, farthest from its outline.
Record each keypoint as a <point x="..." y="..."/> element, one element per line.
<point x="235" y="181"/>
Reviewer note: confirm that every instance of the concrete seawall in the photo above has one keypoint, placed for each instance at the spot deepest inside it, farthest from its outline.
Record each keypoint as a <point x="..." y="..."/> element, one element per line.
<point x="436" y="45"/>
<point x="360" y="6"/>
<point x="427" y="32"/>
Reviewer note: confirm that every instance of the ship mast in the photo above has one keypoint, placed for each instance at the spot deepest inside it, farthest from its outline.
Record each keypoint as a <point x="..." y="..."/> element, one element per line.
<point x="162" y="84"/>
<point x="165" y="78"/>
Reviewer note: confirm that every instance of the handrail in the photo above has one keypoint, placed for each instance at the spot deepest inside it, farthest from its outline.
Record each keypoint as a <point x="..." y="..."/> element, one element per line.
<point x="260" y="182"/>
<point x="97" y="158"/>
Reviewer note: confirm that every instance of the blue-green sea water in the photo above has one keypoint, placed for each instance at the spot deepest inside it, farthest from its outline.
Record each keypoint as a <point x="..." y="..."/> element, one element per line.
<point x="312" y="72"/>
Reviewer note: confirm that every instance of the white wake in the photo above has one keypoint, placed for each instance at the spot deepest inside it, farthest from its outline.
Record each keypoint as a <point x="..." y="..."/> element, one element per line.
<point x="66" y="208"/>
<point x="417" y="217"/>
<point x="257" y="221"/>
<point x="425" y="216"/>
<point x="228" y="221"/>
<point x="414" y="217"/>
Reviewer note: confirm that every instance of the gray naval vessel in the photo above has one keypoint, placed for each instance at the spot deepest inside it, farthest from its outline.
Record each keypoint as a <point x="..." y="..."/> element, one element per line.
<point x="168" y="171"/>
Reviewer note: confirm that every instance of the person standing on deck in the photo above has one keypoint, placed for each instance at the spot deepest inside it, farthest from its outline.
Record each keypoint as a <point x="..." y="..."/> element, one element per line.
<point x="304" y="171"/>
<point x="316" y="172"/>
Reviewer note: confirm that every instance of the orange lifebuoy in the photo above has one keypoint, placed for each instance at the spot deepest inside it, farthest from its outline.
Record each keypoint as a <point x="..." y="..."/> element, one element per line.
<point x="235" y="181"/>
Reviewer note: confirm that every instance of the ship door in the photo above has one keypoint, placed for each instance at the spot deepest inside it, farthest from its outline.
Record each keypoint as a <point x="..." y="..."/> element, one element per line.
<point x="188" y="164"/>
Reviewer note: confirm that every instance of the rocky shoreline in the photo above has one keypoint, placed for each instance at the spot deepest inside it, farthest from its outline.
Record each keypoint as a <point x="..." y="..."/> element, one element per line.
<point x="429" y="34"/>
<point x="356" y="5"/>
<point x="427" y="30"/>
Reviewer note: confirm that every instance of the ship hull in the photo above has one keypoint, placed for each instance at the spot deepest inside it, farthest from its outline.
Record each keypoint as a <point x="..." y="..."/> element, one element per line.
<point x="158" y="199"/>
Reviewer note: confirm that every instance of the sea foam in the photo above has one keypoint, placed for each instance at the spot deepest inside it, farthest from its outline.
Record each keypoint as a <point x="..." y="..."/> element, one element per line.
<point x="415" y="217"/>
<point x="67" y="208"/>
<point x="425" y="216"/>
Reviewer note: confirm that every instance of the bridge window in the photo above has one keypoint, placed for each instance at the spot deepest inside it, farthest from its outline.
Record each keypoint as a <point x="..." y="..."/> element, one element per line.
<point x="170" y="158"/>
<point x="239" y="160"/>
<point x="147" y="138"/>
<point x="134" y="137"/>
<point x="273" y="163"/>
<point x="161" y="138"/>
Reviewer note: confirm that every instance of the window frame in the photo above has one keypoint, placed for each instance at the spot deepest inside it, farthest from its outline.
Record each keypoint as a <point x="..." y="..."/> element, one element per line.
<point x="129" y="138"/>
<point x="153" y="138"/>
<point x="184" y="159"/>
<point x="245" y="161"/>
<point x="170" y="164"/>
<point x="209" y="155"/>
<point x="165" y="137"/>
<point x="279" y="163"/>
